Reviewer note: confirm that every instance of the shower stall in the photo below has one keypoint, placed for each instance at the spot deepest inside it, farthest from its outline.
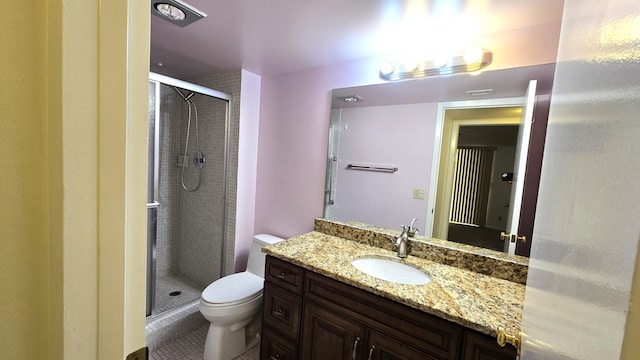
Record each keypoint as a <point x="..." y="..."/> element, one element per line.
<point x="187" y="190"/>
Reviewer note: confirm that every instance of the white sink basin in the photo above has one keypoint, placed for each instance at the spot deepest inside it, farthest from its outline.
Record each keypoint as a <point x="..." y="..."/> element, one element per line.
<point x="391" y="269"/>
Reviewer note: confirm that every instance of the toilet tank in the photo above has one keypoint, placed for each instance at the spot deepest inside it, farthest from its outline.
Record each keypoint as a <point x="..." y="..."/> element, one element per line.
<point x="255" y="264"/>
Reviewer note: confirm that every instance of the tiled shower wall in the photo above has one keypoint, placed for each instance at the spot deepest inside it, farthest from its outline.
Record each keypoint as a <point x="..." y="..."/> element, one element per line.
<point x="201" y="212"/>
<point x="229" y="82"/>
<point x="190" y="223"/>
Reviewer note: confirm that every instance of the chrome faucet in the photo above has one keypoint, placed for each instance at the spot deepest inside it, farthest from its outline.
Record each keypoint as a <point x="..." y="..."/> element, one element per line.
<point x="408" y="232"/>
<point x="402" y="242"/>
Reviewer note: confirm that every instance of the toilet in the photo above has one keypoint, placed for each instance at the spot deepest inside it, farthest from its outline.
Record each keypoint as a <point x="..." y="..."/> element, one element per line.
<point x="233" y="304"/>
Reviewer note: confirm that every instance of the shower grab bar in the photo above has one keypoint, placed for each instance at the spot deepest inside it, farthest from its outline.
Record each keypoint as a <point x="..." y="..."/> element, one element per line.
<point x="153" y="205"/>
<point x="376" y="168"/>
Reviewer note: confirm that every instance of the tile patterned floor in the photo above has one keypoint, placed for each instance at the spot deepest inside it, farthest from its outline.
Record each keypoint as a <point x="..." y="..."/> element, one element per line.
<point x="190" y="347"/>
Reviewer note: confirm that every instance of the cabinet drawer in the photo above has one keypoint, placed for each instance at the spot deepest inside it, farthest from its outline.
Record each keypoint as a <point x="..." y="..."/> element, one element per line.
<point x="381" y="346"/>
<point x="275" y="347"/>
<point x="424" y="332"/>
<point x="282" y="311"/>
<point x="284" y="274"/>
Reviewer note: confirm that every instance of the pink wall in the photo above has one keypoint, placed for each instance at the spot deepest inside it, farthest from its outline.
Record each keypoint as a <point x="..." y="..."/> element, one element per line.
<point x="294" y="125"/>
<point x="292" y="147"/>
<point x="397" y="135"/>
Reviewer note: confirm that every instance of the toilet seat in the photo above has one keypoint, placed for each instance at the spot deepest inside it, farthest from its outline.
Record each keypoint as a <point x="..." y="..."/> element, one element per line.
<point x="233" y="289"/>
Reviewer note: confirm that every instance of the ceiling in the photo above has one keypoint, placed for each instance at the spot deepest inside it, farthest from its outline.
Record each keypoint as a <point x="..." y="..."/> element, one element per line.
<point x="502" y="135"/>
<point x="270" y="37"/>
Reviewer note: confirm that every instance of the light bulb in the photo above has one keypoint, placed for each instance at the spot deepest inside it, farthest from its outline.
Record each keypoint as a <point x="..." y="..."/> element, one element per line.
<point x="441" y="60"/>
<point x="387" y="68"/>
<point x="473" y="55"/>
<point x="410" y="65"/>
<point x="170" y="11"/>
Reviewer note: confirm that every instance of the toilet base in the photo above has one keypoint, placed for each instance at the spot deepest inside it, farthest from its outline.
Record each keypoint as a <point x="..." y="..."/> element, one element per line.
<point x="227" y="342"/>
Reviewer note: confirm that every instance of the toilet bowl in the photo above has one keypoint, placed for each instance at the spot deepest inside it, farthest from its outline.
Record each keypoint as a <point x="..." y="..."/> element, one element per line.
<point x="233" y="302"/>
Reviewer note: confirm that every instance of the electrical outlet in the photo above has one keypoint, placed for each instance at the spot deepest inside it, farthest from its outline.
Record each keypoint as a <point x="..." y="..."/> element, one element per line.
<point x="140" y="354"/>
<point x="418" y="194"/>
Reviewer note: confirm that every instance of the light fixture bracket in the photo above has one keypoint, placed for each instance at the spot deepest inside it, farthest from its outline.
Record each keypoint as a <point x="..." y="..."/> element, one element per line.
<point x="402" y="70"/>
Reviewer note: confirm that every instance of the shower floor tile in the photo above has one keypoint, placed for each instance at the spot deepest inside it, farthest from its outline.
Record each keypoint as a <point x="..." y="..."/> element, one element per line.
<point x="166" y="285"/>
<point x="191" y="346"/>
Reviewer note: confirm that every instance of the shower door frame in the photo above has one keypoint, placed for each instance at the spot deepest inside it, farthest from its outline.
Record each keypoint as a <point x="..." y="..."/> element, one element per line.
<point x="154" y="204"/>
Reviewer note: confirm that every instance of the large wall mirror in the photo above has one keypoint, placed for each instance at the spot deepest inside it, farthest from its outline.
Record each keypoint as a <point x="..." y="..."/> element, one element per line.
<point x="449" y="151"/>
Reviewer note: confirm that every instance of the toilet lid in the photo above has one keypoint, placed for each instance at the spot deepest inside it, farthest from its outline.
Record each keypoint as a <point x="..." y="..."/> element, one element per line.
<point x="233" y="288"/>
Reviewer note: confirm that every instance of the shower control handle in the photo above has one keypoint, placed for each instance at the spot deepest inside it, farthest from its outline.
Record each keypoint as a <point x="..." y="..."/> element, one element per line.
<point x="198" y="160"/>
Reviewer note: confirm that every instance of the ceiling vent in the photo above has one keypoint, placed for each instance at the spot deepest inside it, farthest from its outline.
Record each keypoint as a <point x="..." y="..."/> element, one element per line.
<point x="351" y="98"/>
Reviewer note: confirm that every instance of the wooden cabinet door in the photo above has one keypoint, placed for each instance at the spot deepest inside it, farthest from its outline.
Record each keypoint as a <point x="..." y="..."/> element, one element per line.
<point x="327" y="335"/>
<point x="477" y="347"/>
<point x="382" y="347"/>
<point x="275" y="347"/>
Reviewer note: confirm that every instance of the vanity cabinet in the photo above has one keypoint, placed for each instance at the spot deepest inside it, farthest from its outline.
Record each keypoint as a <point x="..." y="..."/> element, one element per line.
<point x="281" y="311"/>
<point x="308" y="316"/>
<point x="481" y="347"/>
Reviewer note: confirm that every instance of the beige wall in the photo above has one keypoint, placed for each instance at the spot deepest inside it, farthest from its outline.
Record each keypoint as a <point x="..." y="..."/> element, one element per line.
<point x="72" y="217"/>
<point x="24" y="243"/>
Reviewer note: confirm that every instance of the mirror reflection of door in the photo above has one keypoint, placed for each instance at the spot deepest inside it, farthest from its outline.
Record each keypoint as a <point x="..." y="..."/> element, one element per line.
<point x="512" y="234"/>
<point x="480" y="198"/>
<point x="473" y="204"/>
<point x="464" y="181"/>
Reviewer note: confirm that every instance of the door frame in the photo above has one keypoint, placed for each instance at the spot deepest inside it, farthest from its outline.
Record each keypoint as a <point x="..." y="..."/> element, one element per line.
<point x="441" y="136"/>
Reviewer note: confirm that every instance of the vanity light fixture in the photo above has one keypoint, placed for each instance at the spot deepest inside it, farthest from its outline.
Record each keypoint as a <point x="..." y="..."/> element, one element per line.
<point x="176" y="12"/>
<point x="351" y="98"/>
<point x="471" y="60"/>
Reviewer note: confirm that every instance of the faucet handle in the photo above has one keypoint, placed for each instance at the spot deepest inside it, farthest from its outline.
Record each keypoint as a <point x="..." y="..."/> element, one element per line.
<point x="404" y="234"/>
<point x="412" y="230"/>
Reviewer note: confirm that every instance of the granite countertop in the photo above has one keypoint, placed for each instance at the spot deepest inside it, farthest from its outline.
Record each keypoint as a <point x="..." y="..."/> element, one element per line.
<point x="473" y="300"/>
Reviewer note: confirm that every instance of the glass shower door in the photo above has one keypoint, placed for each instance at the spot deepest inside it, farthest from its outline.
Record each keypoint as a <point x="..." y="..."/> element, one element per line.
<point x="152" y="193"/>
<point x="187" y="191"/>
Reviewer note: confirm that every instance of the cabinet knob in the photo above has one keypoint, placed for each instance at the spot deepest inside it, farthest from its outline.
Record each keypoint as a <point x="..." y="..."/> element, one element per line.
<point x="281" y="275"/>
<point x="274" y="357"/>
<point x="278" y="312"/>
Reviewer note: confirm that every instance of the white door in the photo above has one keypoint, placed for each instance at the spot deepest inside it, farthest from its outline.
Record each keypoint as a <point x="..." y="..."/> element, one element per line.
<point x="519" y="168"/>
<point x="581" y="300"/>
